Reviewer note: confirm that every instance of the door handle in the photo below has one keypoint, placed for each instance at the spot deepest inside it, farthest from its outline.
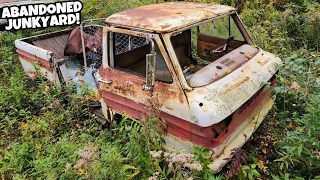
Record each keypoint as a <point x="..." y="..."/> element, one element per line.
<point x="105" y="82"/>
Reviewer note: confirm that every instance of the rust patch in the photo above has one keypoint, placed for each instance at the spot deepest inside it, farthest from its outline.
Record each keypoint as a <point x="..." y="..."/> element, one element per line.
<point x="201" y="91"/>
<point x="262" y="61"/>
<point x="34" y="59"/>
<point x="205" y="109"/>
<point x="167" y="93"/>
<point x="237" y="84"/>
<point x="32" y="74"/>
<point x="128" y="86"/>
<point x="122" y="90"/>
<point x="168" y="107"/>
<point x="165" y="17"/>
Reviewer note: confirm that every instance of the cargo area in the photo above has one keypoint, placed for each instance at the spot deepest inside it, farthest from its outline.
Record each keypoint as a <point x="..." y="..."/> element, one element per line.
<point x="65" y="49"/>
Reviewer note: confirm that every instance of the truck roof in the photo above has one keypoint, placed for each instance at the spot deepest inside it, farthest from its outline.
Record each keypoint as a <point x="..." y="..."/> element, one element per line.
<point x="166" y="17"/>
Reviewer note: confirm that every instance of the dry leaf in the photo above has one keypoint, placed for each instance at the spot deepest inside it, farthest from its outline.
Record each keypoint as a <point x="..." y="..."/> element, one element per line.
<point x="260" y="164"/>
<point x="81" y="171"/>
<point x="56" y="102"/>
<point x="264" y="150"/>
<point x="295" y="86"/>
<point x="290" y="126"/>
<point x="247" y="55"/>
<point x="24" y="125"/>
<point x="207" y="13"/>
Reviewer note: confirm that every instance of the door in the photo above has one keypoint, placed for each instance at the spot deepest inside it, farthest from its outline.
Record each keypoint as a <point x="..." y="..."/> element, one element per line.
<point x="124" y="74"/>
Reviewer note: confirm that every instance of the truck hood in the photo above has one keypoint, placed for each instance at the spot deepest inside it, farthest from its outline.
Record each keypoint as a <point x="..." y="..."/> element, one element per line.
<point x="214" y="102"/>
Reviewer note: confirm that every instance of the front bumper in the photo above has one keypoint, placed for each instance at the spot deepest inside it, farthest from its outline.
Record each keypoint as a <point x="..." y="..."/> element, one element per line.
<point x="221" y="154"/>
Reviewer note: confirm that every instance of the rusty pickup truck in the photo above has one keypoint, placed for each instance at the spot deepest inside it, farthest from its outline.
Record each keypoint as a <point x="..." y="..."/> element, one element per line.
<point x="194" y="62"/>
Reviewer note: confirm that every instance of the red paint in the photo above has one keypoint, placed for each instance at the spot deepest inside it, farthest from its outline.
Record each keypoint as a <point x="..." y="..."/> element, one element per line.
<point x="124" y="105"/>
<point x="185" y="130"/>
<point x="244" y="112"/>
<point x="34" y="59"/>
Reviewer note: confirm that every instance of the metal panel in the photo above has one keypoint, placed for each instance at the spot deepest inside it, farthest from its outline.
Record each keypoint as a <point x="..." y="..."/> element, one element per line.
<point x="34" y="50"/>
<point x="55" y="44"/>
<point x="31" y="71"/>
<point x="185" y="130"/>
<point x="220" y="155"/>
<point x="165" y="17"/>
<point x="224" y="154"/>
<point x="35" y="59"/>
<point x="213" y="103"/>
<point x="222" y="66"/>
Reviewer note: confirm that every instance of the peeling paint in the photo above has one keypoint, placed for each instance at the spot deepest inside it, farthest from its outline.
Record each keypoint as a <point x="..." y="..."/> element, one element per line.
<point x="163" y="18"/>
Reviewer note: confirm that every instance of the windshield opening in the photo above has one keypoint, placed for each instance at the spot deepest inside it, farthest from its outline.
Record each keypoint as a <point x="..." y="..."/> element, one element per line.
<point x="210" y="43"/>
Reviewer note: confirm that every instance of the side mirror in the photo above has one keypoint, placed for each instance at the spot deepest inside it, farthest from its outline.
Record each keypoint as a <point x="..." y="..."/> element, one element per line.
<point x="150" y="71"/>
<point x="151" y="67"/>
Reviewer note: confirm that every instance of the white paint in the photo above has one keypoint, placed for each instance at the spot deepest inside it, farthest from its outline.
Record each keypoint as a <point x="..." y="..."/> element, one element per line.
<point x="30" y="70"/>
<point x="226" y="95"/>
<point x="34" y="50"/>
<point x="236" y="140"/>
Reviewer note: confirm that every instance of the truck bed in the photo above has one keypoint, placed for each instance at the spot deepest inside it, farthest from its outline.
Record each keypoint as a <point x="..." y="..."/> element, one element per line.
<point x="54" y="44"/>
<point x="42" y="50"/>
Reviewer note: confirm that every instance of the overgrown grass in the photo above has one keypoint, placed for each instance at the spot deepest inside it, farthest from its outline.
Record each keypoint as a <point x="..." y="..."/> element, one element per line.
<point x="48" y="133"/>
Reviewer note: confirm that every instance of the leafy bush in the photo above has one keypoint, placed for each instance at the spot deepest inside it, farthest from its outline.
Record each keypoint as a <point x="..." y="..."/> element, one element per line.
<point x="298" y="105"/>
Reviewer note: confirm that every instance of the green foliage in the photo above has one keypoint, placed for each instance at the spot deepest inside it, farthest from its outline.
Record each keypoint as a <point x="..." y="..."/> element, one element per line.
<point x="298" y="104"/>
<point x="249" y="172"/>
<point x="203" y="155"/>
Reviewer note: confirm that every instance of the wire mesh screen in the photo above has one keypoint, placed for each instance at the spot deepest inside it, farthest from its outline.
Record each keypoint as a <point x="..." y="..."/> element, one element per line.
<point x="92" y="38"/>
<point x="125" y="43"/>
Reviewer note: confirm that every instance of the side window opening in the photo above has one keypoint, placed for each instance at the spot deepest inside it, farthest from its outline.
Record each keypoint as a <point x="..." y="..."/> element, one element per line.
<point x="129" y="54"/>
<point x="183" y="49"/>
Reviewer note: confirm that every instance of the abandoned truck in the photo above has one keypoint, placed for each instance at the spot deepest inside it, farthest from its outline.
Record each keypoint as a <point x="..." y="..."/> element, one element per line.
<point x="196" y="62"/>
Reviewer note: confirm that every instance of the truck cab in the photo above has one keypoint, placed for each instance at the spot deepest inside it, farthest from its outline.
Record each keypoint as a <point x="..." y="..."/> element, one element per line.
<point x="193" y="63"/>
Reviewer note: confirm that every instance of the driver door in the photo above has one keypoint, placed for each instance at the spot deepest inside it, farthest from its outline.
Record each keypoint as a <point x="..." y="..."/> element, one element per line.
<point x="123" y="77"/>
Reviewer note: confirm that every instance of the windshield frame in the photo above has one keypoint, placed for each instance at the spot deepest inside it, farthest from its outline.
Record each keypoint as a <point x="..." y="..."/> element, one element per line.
<point x="167" y="41"/>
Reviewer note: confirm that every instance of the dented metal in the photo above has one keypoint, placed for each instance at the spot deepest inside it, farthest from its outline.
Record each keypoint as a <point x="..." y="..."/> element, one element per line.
<point x="166" y="17"/>
<point x="221" y="98"/>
